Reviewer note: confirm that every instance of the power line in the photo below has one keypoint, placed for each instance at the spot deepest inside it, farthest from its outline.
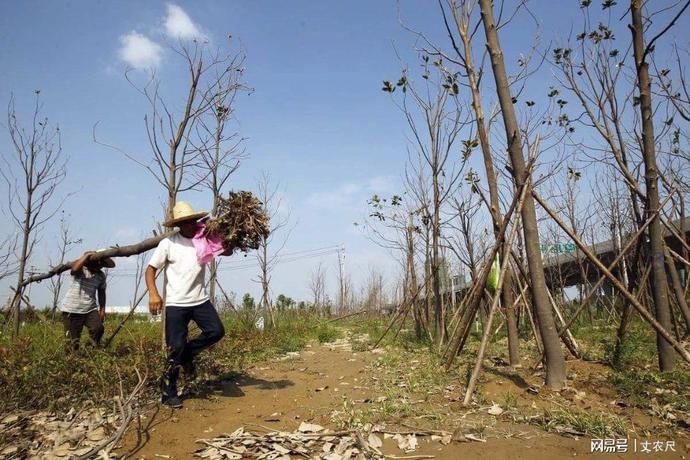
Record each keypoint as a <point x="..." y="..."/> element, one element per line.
<point x="240" y="265"/>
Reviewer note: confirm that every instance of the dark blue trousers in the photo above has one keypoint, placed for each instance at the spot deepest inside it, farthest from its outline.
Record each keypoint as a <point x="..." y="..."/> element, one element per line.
<point x="176" y="329"/>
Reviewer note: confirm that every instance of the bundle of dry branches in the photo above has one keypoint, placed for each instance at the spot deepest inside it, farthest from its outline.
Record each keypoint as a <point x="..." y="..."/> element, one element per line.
<point x="241" y="221"/>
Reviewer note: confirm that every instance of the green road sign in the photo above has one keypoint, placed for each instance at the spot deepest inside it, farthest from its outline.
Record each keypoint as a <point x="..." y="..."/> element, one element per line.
<point x="557" y="248"/>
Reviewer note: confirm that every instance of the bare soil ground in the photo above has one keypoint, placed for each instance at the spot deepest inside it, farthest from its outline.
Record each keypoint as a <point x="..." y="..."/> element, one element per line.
<point x="389" y="391"/>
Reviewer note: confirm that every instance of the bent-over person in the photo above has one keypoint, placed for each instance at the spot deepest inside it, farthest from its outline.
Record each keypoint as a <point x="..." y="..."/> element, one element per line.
<point x="185" y="300"/>
<point x="84" y="302"/>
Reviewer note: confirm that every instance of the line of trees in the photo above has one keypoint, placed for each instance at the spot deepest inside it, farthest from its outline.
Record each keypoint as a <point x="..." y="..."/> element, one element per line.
<point x="605" y="148"/>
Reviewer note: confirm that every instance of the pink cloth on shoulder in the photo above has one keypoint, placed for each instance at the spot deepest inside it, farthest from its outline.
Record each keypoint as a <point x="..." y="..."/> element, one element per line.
<point x="207" y="247"/>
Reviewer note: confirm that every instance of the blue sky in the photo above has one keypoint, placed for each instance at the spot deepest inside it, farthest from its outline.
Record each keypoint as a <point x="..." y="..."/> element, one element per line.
<point x="317" y="121"/>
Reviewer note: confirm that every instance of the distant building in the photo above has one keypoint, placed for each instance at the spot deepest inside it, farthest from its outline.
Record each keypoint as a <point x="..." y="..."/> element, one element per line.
<point x="124" y="309"/>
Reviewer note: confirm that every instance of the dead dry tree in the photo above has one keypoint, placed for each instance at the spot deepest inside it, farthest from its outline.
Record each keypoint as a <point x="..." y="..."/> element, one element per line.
<point x="241" y="221"/>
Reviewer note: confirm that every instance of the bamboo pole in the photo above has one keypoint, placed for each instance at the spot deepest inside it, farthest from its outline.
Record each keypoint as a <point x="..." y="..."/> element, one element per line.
<point x="404" y="307"/>
<point x="602" y="278"/>
<point x="623" y="252"/>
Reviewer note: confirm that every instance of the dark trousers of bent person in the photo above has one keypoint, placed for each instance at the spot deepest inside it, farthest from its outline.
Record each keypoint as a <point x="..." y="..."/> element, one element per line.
<point x="181" y="351"/>
<point x="74" y="323"/>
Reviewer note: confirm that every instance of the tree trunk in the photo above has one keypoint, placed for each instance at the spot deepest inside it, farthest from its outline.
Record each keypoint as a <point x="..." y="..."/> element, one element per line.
<point x="494" y="208"/>
<point x="656" y="244"/>
<point x="411" y="286"/>
<point x="554" y="360"/>
<point x="16" y="302"/>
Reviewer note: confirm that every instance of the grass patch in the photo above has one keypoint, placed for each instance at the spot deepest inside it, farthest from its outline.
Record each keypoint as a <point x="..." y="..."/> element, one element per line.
<point x="38" y="372"/>
<point x="600" y="425"/>
<point x="326" y="333"/>
<point x="646" y="388"/>
<point x="406" y="384"/>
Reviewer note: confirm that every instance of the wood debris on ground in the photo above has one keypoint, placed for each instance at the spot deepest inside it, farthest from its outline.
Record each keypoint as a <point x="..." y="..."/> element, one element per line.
<point x="308" y="441"/>
<point x="241" y="220"/>
<point x="48" y="435"/>
<point x="318" y="443"/>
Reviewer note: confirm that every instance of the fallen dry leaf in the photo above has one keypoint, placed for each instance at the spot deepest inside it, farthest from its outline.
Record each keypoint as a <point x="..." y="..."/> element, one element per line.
<point x="305" y="427"/>
<point x="374" y="441"/>
<point x="495" y="409"/>
<point x="472" y="437"/>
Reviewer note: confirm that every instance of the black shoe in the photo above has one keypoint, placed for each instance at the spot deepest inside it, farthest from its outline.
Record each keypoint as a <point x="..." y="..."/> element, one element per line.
<point x="168" y="383"/>
<point x="189" y="370"/>
<point x="171" y="401"/>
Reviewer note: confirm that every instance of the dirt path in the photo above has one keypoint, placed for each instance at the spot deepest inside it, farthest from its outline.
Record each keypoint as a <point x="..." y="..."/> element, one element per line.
<point x="308" y="387"/>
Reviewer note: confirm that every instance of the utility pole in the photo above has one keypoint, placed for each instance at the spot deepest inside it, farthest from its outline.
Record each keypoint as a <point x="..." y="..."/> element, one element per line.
<point x="341" y="266"/>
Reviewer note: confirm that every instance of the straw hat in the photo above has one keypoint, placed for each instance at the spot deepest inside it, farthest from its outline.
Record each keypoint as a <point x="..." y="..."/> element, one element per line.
<point x="182" y="212"/>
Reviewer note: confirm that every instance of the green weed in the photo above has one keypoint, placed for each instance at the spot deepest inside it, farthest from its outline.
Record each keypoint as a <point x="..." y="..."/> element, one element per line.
<point x="326" y="333"/>
<point x="600" y="425"/>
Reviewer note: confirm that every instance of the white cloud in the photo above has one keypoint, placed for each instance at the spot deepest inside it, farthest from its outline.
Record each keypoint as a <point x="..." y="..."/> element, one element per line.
<point x="178" y="24"/>
<point x="380" y="184"/>
<point x="352" y="194"/>
<point x="346" y="194"/>
<point x="139" y="51"/>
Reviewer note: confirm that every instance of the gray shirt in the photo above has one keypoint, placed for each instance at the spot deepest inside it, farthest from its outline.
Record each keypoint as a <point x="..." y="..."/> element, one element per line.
<point x="81" y="295"/>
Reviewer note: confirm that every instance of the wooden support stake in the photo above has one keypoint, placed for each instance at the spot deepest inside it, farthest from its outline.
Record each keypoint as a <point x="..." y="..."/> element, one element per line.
<point x="497" y="297"/>
<point x="459" y="336"/>
<point x="616" y="283"/>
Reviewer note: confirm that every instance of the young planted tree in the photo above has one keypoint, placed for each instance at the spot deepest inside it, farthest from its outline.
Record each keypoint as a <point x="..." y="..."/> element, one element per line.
<point x="269" y="247"/>
<point x="463" y="243"/>
<point x="374" y="298"/>
<point x="317" y="287"/>
<point x="186" y="149"/>
<point x="435" y="118"/>
<point x="596" y="74"/>
<point x="394" y="224"/>
<point x="461" y="13"/>
<point x="651" y="173"/>
<point x="33" y="170"/>
<point x="554" y="360"/>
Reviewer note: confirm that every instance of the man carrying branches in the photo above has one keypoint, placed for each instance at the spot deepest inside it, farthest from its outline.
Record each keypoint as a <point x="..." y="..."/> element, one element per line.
<point x="186" y="299"/>
<point x="84" y="303"/>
